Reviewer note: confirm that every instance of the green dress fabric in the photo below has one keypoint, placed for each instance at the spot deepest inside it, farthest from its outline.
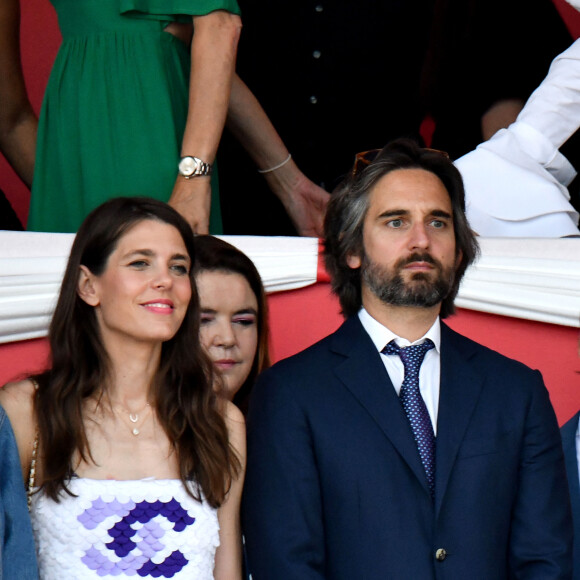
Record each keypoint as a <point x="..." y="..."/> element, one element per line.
<point x="115" y="108"/>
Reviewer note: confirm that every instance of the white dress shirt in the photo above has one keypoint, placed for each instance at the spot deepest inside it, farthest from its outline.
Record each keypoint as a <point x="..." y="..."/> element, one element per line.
<point x="515" y="183"/>
<point x="430" y="373"/>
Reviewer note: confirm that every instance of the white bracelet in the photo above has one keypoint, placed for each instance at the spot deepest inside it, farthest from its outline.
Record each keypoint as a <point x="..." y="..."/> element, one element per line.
<point x="269" y="170"/>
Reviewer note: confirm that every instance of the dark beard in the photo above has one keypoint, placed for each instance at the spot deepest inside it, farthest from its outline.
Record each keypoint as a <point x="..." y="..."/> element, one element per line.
<point x="390" y="288"/>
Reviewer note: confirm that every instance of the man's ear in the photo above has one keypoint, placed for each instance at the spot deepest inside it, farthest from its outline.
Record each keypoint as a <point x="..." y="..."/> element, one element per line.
<point x="86" y="287"/>
<point x="353" y="261"/>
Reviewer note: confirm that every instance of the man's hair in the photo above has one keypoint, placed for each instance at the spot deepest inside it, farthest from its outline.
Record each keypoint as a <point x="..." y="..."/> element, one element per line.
<point x="348" y="206"/>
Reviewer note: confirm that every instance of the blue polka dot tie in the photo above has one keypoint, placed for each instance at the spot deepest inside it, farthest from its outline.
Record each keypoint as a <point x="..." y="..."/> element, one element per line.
<point x="414" y="406"/>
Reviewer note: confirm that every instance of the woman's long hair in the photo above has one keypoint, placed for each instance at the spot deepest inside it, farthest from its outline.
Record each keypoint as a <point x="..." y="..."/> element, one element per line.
<point x="181" y="393"/>
<point x="215" y="255"/>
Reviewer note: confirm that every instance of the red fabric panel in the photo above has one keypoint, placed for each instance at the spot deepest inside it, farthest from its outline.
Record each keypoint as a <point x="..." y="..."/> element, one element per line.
<point x="550" y="348"/>
<point x="39" y="42"/>
<point x="570" y="16"/>
<point x="301" y="317"/>
<point x="20" y="359"/>
<point x="321" y="273"/>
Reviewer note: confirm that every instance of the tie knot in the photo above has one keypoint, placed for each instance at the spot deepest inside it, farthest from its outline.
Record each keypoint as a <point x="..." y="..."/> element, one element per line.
<point x="411" y="356"/>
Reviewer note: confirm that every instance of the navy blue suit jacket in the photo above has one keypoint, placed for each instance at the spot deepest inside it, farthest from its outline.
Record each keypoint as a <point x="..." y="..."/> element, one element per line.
<point x="568" y="432"/>
<point x="335" y="488"/>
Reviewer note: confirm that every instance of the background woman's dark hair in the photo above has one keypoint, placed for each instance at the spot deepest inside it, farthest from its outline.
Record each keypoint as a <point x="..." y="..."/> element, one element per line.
<point x="215" y="255"/>
<point x="347" y="209"/>
<point x="182" y="392"/>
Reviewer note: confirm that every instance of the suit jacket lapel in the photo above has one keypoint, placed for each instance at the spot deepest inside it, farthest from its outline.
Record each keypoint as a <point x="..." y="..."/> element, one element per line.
<point x="459" y="392"/>
<point x="363" y="373"/>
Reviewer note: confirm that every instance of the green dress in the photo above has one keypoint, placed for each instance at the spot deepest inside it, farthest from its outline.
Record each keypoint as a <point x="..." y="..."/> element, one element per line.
<point x="115" y="108"/>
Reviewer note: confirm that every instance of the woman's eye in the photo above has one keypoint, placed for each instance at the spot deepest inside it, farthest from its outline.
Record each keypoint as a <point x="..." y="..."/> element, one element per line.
<point x="205" y="318"/>
<point x="244" y="321"/>
<point x="138" y="264"/>
<point x="180" y="269"/>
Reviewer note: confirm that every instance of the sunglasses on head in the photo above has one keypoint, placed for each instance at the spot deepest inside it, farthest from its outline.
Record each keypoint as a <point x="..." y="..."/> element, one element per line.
<point x="365" y="158"/>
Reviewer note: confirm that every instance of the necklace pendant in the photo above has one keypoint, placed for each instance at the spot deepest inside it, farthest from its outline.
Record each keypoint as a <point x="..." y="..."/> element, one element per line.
<point x="133" y="418"/>
<point x="135" y="431"/>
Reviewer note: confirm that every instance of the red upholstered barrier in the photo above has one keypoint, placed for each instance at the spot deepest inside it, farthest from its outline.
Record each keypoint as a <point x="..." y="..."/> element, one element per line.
<point x="300" y="317"/>
<point x="19" y="359"/>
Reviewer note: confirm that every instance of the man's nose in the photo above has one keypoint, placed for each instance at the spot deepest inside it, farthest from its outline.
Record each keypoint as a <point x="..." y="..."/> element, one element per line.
<point x="418" y="236"/>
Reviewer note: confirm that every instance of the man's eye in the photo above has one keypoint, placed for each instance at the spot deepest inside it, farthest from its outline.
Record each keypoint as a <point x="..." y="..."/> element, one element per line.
<point x="397" y="223"/>
<point x="139" y="264"/>
<point x="438" y="224"/>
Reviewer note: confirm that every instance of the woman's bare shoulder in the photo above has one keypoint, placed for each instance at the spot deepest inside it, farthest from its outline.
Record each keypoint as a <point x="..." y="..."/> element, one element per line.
<point x="236" y="425"/>
<point x="232" y="413"/>
<point x="233" y="417"/>
<point x="18" y="401"/>
<point x="18" y="398"/>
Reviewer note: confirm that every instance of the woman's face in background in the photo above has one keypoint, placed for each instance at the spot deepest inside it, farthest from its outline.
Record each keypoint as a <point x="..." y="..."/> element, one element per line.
<point x="229" y="325"/>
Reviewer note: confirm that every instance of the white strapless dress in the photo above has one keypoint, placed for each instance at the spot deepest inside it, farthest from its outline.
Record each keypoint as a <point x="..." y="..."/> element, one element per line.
<point x="148" y="528"/>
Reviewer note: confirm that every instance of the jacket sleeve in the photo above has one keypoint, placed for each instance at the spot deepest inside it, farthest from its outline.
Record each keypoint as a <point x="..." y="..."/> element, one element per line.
<point x="281" y="512"/>
<point x="541" y="531"/>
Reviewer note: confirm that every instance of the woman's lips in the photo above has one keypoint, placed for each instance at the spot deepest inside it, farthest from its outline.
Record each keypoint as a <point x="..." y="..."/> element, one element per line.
<point x="161" y="306"/>
<point x="225" y="364"/>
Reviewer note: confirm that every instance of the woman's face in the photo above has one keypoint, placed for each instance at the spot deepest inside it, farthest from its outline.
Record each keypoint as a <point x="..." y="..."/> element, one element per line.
<point x="143" y="294"/>
<point x="229" y="325"/>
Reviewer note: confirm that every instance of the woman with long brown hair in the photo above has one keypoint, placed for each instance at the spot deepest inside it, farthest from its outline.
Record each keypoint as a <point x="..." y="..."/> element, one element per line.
<point x="137" y="464"/>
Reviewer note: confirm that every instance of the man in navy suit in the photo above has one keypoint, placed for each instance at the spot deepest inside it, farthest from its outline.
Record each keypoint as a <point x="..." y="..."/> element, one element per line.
<point x="570" y="440"/>
<point x="396" y="448"/>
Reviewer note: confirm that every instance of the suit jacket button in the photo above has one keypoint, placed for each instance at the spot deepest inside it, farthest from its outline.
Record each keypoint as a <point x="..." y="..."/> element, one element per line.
<point x="441" y="554"/>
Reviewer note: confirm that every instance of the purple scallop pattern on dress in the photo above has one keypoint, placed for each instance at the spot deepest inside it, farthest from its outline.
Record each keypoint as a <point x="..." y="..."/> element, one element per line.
<point x="136" y="537"/>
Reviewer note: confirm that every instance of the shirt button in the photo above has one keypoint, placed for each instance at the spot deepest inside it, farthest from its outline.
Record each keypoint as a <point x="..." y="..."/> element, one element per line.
<point x="441" y="554"/>
<point x="313" y="100"/>
<point x="316" y="54"/>
<point x="319" y="8"/>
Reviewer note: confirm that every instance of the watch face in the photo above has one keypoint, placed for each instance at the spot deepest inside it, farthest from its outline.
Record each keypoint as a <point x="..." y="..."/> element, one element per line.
<point x="187" y="166"/>
<point x="193" y="166"/>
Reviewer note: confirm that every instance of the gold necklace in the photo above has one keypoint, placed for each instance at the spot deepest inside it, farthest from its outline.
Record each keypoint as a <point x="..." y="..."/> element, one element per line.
<point x="134" y="418"/>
